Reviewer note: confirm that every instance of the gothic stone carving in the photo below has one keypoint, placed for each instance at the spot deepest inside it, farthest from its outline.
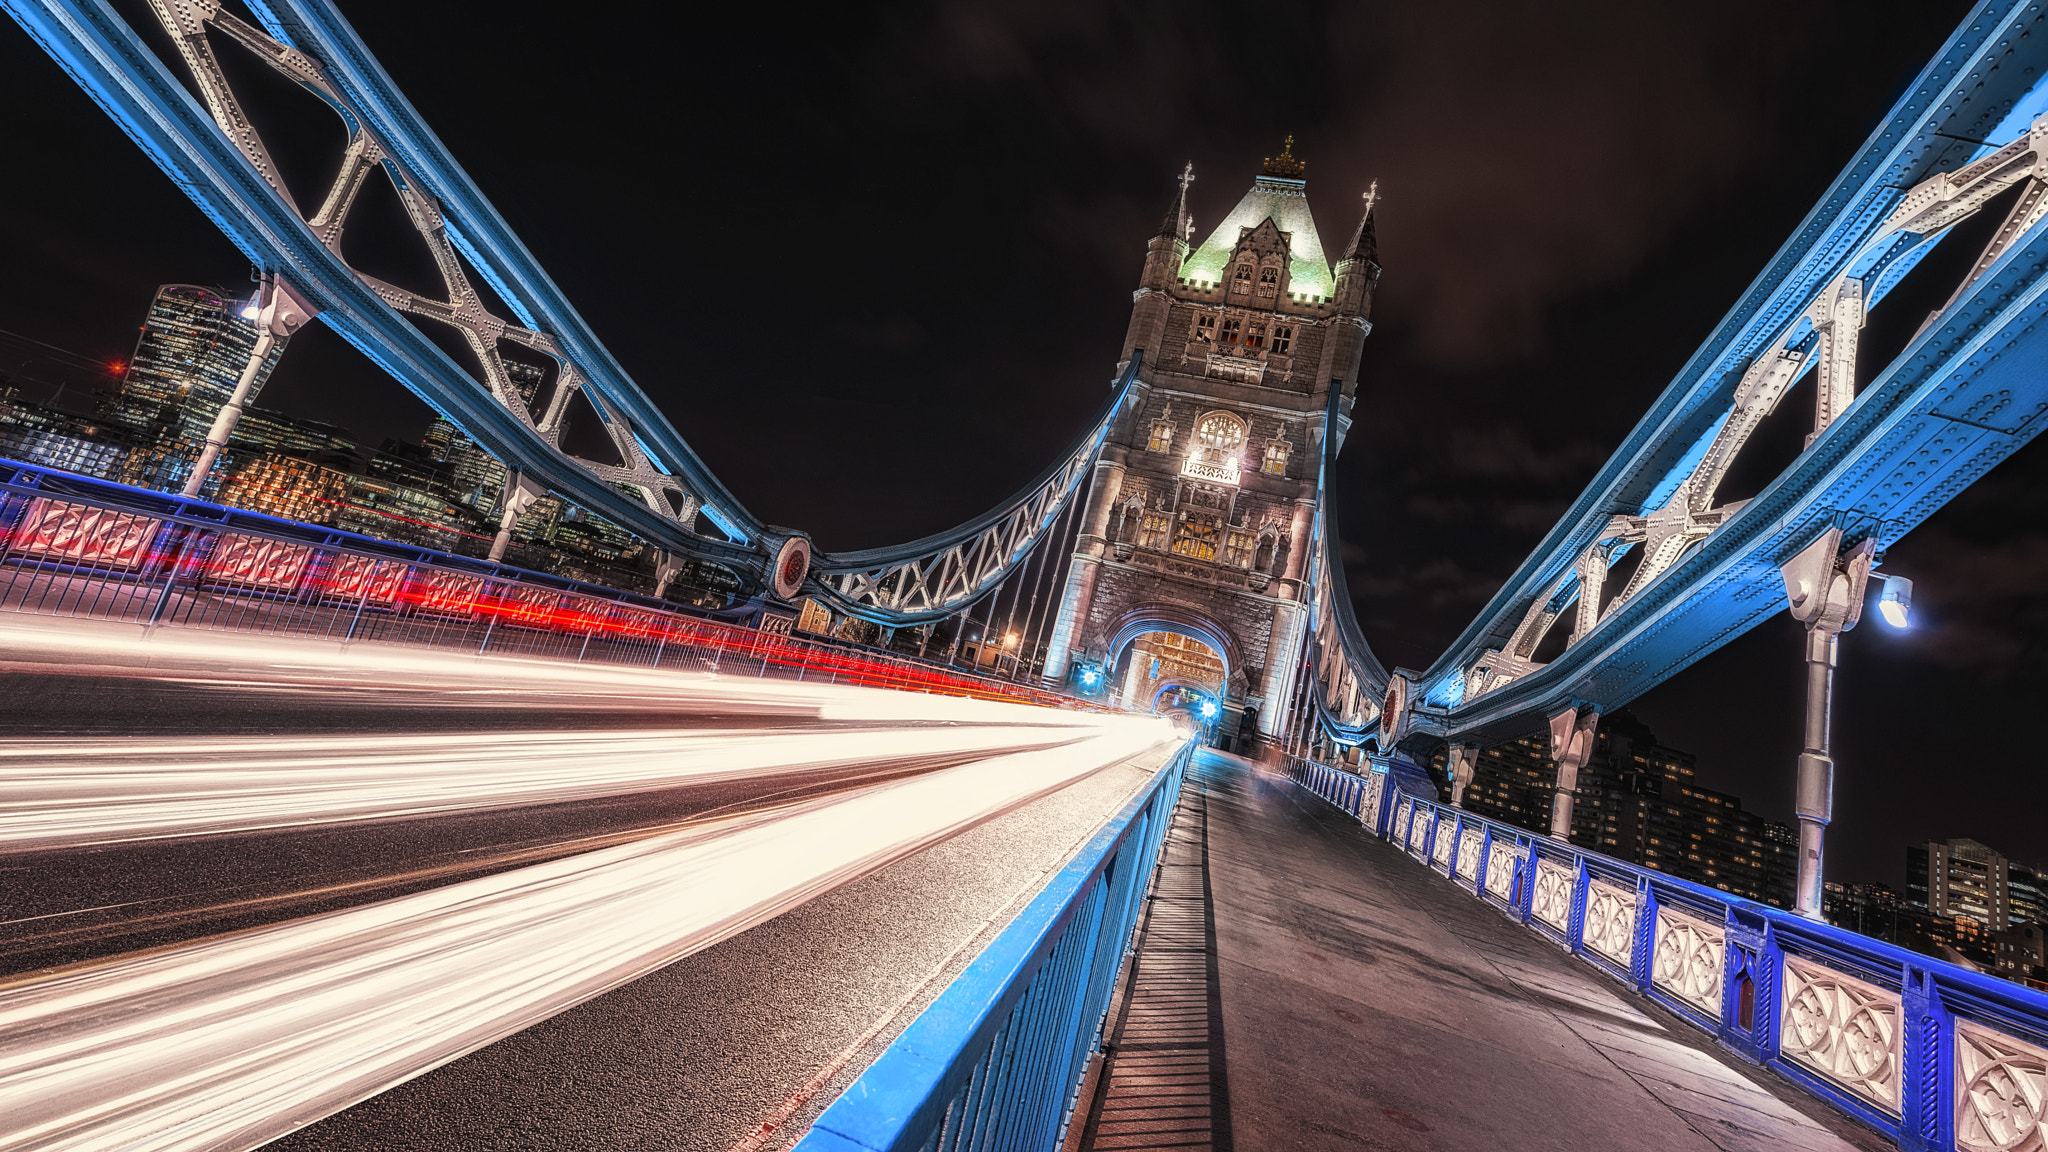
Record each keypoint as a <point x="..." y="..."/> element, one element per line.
<point x="1611" y="921"/>
<point x="1686" y="959"/>
<point x="1844" y="1029"/>
<point x="2001" y="1092"/>
<point x="1552" y="901"/>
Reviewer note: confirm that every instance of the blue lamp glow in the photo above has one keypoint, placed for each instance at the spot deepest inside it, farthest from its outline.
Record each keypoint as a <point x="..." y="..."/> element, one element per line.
<point x="1208" y="709"/>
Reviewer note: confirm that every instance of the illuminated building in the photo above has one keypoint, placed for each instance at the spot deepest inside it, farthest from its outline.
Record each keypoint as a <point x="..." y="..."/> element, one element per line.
<point x="1971" y="879"/>
<point x="34" y="434"/>
<point x="188" y="360"/>
<point x="475" y="477"/>
<point x="1200" y="510"/>
<point x="1639" y="801"/>
<point x="286" y="486"/>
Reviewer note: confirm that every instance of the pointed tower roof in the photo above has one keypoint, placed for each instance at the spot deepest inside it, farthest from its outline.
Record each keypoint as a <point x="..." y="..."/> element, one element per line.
<point x="1176" y="222"/>
<point x="1365" y="243"/>
<point x="1282" y="198"/>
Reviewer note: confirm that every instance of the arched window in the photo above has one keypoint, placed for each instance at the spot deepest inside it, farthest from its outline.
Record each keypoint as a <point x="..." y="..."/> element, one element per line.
<point x="1241" y="280"/>
<point x="1218" y="436"/>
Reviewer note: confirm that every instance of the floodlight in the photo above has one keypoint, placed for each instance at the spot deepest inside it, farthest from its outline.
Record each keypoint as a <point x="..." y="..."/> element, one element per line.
<point x="1895" y="603"/>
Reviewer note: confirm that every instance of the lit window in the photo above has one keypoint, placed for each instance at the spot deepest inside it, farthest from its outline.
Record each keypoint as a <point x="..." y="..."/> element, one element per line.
<point x="1238" y="548"/>
<point x="1205" y="329"/>
<point x="1162" y="436"/>
<point x="1233" y="330"/>
<point x="1276" y="458"/>
<point x="1197" y="537"/>
<point x="1255" y="337"/>
<point x="1219" y="433"/>
<point x="1153" y="532"/>
<point x="1283" y="337"/>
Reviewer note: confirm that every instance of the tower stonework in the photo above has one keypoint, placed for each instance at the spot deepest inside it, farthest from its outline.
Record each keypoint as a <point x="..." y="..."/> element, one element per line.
<point x="1203" y="499"/>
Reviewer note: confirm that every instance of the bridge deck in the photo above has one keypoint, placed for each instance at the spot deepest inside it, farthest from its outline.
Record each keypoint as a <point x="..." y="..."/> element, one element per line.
<point x="1309" y="986"/>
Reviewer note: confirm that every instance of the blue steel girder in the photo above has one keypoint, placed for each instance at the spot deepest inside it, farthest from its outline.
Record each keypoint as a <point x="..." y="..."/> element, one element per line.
<point x="220" y="162"/>
<point x="218" y="159"/>
<point x="1879" y="462"/>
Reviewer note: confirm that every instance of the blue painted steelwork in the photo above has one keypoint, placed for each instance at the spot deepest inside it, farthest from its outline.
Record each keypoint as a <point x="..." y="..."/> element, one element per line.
<point x="996" y="1060"/>
<point x="115" y="66"/>
<point x="1962" y="396"/>
<point x="1771" y="996"/>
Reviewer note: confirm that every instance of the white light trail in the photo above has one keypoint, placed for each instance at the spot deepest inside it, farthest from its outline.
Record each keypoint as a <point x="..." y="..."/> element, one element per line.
<point x="67" y="793"/>
<point x="231" y="1042"/>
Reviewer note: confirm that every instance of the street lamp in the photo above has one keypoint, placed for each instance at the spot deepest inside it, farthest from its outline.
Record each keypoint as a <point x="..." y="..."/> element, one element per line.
<point x="1895" y="603"/>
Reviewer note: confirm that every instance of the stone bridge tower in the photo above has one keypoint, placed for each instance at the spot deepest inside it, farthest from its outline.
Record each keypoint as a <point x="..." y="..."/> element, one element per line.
<point x="1203" y="499"/>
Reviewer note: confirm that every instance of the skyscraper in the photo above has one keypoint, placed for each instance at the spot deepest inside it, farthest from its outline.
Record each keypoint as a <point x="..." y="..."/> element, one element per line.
<point x="1638" y="800"/>
<point x="188" y="360"/>
<point x="1968" y="878"/>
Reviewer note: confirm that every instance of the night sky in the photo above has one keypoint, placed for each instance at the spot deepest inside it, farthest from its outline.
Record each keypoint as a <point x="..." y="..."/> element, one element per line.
<point x="876" y="265"/>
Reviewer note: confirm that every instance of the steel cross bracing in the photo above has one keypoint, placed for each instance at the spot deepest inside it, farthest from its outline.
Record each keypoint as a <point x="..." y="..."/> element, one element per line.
<point x="222" y="163"/>
<point x="218" y="158"/>
<point x="931" y="578"/>
<point x="1965" y="393"/>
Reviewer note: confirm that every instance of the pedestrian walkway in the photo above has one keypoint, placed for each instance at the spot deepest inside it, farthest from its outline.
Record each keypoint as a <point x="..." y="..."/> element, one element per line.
<point x="1348" y="997"/>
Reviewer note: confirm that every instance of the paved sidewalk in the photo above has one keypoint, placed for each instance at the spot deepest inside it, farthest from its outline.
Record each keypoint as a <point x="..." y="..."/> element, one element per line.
<point x="1366" y="1002"/>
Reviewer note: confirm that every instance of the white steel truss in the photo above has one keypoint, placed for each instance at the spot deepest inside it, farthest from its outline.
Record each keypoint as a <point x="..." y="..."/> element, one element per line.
<point x="364" y="157"/>
<point x="1822" y="338"/>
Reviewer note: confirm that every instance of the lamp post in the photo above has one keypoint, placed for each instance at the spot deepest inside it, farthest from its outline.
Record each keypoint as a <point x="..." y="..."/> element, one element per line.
<point x="1824" y="587"/>
<point x="277" y="311"/>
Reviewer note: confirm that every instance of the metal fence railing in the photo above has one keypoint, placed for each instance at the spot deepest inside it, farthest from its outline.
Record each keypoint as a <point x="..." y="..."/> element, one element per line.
<point x="1931" y="1053"/>
<point x="997" y="1059"/>
<point x="84" y="548"/>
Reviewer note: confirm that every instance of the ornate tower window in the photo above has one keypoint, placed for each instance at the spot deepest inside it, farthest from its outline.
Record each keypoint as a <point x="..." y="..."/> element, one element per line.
<point x="1283" y="337"/>
<point x="1269" y="281"/>
<point x="1162" y="436"/>
<point x="1276" y="457"/>
<point x="1205" y="329"/>
<point x="1152" y="532"/>
<point x="1198" y="536"/>
<point x="1238" y="546"/>
<point x="1233" y="329"/>
<point x="1218" y="436"/>
<point x="1241" y="279"/>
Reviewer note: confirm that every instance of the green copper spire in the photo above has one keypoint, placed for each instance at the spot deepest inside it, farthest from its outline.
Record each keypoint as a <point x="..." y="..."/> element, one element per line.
<point x="1283" y="199"/>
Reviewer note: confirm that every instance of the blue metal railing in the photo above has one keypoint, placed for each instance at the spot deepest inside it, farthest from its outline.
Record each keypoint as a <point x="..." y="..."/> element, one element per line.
<point x="996" y="1060"/>
<point x="1935" y="1055"/>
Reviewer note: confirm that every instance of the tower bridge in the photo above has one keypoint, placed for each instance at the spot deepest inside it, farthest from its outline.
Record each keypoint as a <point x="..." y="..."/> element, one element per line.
<point x="1184" y="546"/>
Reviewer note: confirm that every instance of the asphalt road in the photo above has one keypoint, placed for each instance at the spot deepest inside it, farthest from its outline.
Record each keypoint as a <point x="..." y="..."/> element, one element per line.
<point x="694" y="1055"/>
